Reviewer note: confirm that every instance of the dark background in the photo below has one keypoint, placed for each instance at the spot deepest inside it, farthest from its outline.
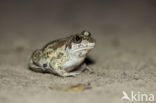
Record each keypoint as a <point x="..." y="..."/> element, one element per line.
<point x="110" y="16"/>
<point x="31" y="19"/>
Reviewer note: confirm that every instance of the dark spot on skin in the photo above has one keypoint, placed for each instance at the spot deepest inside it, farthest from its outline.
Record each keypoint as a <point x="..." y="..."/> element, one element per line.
<point x="54" y="48"/>
<point x="60" y="55"/>
<point x="44" y="65"/>
<point x="47" y="53"/>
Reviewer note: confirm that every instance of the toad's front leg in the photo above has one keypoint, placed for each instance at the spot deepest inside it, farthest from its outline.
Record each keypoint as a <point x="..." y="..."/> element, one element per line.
<point x="57" y="69"/>
<point x="85" y="67"/>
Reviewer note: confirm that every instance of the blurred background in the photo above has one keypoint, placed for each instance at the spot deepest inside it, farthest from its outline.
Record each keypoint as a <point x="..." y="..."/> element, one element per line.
<point x="26" y="21"/>
<point x="50" y="17"/>
<point x="125" y="31"/>
<point x="31" y="19"/>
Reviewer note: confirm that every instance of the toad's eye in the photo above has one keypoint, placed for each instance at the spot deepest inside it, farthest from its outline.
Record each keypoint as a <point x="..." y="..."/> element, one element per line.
<point x="77" y="39"/>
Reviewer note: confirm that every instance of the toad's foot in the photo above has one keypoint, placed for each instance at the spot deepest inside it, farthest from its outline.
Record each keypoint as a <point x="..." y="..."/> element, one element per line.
<point x="84" y="67"/>
<point x="63" y="73"/>
<point x="73" y="74"/>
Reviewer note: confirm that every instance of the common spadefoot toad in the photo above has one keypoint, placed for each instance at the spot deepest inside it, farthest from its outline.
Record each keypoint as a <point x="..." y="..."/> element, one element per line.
<point x="63" y="55"/>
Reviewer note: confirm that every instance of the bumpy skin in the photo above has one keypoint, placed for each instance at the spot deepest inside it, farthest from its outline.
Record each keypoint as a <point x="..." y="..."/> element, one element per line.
<point x="63" y="55"/>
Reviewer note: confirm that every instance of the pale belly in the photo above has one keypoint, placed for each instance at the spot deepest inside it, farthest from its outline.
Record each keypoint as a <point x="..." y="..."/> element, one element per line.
<point x="72" y="63"/>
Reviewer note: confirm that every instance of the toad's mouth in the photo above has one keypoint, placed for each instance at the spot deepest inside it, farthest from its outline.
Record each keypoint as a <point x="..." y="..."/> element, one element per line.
<point x="83" y="48"/>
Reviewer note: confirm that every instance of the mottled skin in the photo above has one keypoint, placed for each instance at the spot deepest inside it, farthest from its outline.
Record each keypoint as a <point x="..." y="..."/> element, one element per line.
<point x="63" y="55"/>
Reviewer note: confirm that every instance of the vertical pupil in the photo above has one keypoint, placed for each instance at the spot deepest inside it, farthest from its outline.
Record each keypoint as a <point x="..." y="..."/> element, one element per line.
<point x="77" y="38"/>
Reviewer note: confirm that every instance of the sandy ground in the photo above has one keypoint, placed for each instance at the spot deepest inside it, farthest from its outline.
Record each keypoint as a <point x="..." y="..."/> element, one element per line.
<point x="124" y="58"/>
